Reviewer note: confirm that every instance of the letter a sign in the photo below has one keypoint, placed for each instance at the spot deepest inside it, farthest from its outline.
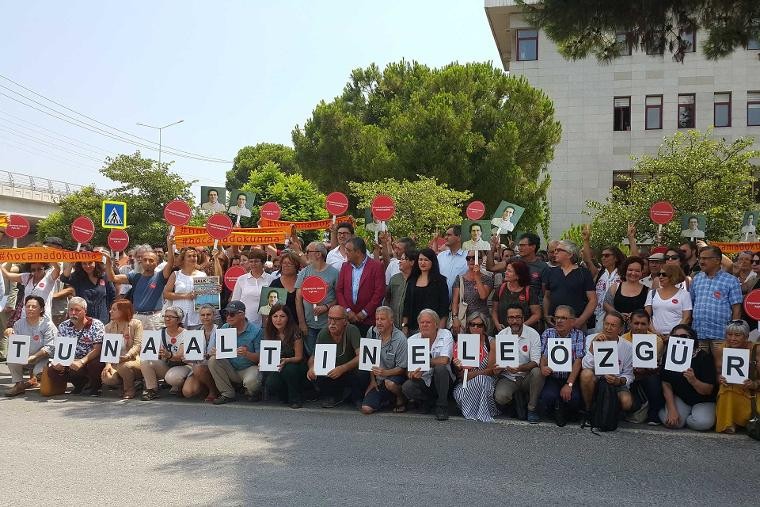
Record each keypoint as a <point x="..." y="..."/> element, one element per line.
<point x="114" y="215"/>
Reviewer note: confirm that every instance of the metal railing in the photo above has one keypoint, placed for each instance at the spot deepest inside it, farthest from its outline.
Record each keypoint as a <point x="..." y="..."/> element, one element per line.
<point x="37" y="183"/>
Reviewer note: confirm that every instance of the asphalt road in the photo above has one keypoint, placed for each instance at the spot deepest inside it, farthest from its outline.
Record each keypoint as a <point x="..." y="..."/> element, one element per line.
<point x="70" y="450"/>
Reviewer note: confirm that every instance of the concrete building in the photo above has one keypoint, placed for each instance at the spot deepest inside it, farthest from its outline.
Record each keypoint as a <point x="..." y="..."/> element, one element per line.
<point x="609" y="112"/>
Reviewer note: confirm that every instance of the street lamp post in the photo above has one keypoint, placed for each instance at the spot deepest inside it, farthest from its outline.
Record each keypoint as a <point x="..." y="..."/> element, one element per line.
<point x="160" y="132"/>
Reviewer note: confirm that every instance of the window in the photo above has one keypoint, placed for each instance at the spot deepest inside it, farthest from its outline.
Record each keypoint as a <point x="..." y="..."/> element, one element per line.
<point x="753" y="44"/>
<point x="753" y="109"/>
<point x="622" y="179"/>
<point x="686" y="111"/>
<point x="657" y="45"/>
<point x="622" y="114"/>
<point x="527" y="44"/>
<point x="690" y="38"/>
<point x="653" y="113"/>
<point x="622" y="40"/>
<point x="722" y="109"/>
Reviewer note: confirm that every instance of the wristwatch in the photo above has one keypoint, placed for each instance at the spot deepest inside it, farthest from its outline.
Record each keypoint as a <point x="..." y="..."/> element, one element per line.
<point x="570" y="384"/>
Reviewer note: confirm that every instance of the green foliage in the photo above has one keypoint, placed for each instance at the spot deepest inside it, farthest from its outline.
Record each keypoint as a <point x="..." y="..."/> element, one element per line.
<point x="573" y="233"/>
<point x="145" y="188"/>
<point x="471" y="127"/>
<point x="252" y="158"/>
<point x="588" y="27"/>
<point x="299" y="199"/>
<point x="696" y="174"/>
<point x="86" y="202"/>
<point x="423" y="206"/>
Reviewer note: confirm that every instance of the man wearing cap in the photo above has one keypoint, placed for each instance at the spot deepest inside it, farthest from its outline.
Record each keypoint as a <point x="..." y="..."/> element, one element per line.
<point x="655" y="260"/>
<point x="148" y="286"/>
<point x="244" y="368"/>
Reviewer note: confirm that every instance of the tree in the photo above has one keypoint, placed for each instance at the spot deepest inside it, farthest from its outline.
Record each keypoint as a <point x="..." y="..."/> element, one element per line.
<point x="424" y="207"/>
<point x="144" y="186"/>
<point x="585" y="27"/>
<point x="471" y="127"/>
<point x="299" y="199"/>
<point x="85" y="202"/>
<point x="696" y="174"/>
<point x="251" y="158"/>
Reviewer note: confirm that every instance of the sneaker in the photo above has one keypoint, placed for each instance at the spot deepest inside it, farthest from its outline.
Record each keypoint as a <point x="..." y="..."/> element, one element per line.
<point x="560" y="414"/>
<point x="654" y="423"/>
<point x="533" y="417"/>
<point x="17" y="389"/>
<point x="149" y="395"/>
<point x="222" y="399"/>
<point x="331" y="402"/>
<point x="77" y="389"/>
<point x="442" y="413"/>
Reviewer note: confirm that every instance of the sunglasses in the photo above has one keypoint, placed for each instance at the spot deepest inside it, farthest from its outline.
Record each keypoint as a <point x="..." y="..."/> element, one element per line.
<point x="755" y="261"/>
<point x="470" y="258"/>
<point x="662" y="273"/>
<point x="672" y="257"/>
<point x="477" y="324"/>
<point x="560" y="250"/>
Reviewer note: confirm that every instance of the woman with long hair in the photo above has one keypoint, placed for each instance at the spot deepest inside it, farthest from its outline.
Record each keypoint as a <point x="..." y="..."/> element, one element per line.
<point x="179" y="287"/>
<point x="89" y="281"/>
<point x="515" y="289"/>
<point x="289" y="381"/>
<point x="426" y="288"/>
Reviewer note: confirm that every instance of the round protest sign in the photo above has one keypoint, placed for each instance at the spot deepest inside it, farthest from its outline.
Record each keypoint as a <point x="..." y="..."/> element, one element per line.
<point x="475" y="210"/>
<point x="661" y="212"/>
<point x="752" y="304"/>
<point x="118" y="239"/>
<point x="177" y="213"/>
<point x="219" y="226"/>
<point x="314" y="289"/>
<point x="271" y="210"/>
<point x="383" y="207"/>
<point x="231" y="276"/>
<point x="17" y="227"/>
<point x="336" y="203"/>
<point x="82" y="229"/>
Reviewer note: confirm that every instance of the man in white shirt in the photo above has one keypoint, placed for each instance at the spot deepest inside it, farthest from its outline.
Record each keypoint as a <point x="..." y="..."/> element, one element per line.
<point x="611" y="330"/>
<point x="337" y="256"/>
<point x="452" y="261"/>
<point x="527" y="377"/>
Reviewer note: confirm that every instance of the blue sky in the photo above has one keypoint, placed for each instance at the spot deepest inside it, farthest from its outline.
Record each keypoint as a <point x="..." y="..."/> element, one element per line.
<point x="237" y="72"/>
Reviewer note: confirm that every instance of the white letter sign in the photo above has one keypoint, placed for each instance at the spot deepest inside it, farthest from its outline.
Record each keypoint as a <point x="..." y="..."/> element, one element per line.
<point x="468" y="350"/>
<point x="65" y="348"/>
<point x="226" y="343"/>
<point x="506" y="351"/>
<point x="324" y="358"/>
<point x="606" y="358"/>
<point x="418" y="354"/>
<point x="150" y="345"/>
<point x="269" y="357"/>
<point x="111" y="349"/>
<point x="735" y="365"/>
<point x="645" y="351"/>
<point x="18" y="349"/>
<point x="559" y="354"/>
<point x="678" y="355"/>
<point x="193" y="345"/>
<point x="369" y="353"/>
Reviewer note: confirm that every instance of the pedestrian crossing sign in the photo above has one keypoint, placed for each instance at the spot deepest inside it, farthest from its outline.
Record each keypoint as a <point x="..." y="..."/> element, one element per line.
<point x="114" y="215"/>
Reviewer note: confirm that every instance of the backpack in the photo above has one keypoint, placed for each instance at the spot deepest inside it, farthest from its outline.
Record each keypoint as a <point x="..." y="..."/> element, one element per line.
<point x="605" y="409"/>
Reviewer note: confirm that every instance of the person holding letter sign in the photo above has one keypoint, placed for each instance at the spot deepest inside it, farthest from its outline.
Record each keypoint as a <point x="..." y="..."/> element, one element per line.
<point x="431" y="386"/>
<point x="526" y="377"/>
<point x="85" y="371"/>
<point x="127" y="369"/>
<point x="170" y="365"/>
<point x="647" y="378"/>
<point x="734" y="400"/>
<point x="475" y="400"/>
<point x="40" y="333"/>
<point x="200" y="383"/>
<point x="242" y="369"/>
<point x="345" y="375"/>
<point x="289" y="382"/>
<point x="612" y="326"/>
<point x="689" y="395"/>
<point x="562" y="393"/>
<point x="384" y="389"/>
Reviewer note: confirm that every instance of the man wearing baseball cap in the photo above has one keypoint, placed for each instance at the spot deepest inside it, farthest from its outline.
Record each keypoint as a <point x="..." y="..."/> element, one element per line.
<point x="244" y="368"/>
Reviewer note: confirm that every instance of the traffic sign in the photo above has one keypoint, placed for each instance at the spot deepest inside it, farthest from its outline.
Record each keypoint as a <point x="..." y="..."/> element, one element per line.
<point x="231" y="276"/>
<point x="114" y="215"/>
<point x="118" y="240"/>
<point x="661" y="212"/>
<point x="82" y="229"/>
<point x="475" y="210"/>
<point x="383" y="207"/>
<point x="271" y="210"/>
<point x="336" y="203"/>
<point x="177" y="213"/>
<point x="17" y="227"/>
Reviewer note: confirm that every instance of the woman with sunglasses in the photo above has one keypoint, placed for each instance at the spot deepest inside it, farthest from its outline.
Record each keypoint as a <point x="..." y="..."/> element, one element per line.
<point x="670" y="304"/>
<point x="689" y="395"/>
<point x="675" y="257"/>
<point x="90" y="283"/>
<point x="472" y="288"/>
<point x="629" y="294"/>
<point x="476" y="400"/>
<point x="37" y="279"/>
<point x="170" y="364"/>
<point x="426" y="288"/>
<point x="734" y="400"/>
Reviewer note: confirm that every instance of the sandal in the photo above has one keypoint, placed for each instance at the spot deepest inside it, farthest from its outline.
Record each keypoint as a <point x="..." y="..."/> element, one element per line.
<point x="149" y="395"/>
<point x="127" y="395"/>
<point x="730" y="430"/>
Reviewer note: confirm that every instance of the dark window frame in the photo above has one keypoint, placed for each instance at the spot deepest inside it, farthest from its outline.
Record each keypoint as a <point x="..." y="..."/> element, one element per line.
<point x="647" y="107"/>
<point x="693" y="40"/>
<point x="519" y="39"/>
<point x="627" y="50"/>
<point x="722" y="103"/>
<point x="615" y="114"/>
<point x="752" y="102"/>
<point x="692" y="106"/>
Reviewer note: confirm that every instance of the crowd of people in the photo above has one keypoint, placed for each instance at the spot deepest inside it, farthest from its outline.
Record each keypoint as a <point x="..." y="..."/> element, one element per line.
<point x="395" y="293"/>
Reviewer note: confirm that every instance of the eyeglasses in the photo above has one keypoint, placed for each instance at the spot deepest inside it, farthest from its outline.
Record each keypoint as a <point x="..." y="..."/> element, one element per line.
<point x="170" y="317"/>
<point x="232" y="314"/>
<point x="470" y="258"/>
<point x="662" y="273"/>
<point x="476" y="324"/>
<point x="343" y="232"/>
<point x="673" y="257"/>
<point x="312" y="251"/>
<point x="736" y="321"/>
<point x="559" y="318"/>
<point x="336" y="319"/>
<point x="560" y="250"/>
<point x="755" y="261"/>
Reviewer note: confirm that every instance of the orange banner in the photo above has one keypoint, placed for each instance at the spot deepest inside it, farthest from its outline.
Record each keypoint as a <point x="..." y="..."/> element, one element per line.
<point x="732" y="248"/>
<point x="238" y="239"/>
<point x="186" y="230"/>
<point x="305" y="226"/>
<point x="42" y="254"/>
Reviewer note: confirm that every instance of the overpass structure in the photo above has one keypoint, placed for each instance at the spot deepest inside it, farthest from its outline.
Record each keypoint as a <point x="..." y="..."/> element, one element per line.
<point x="33" y="197"/>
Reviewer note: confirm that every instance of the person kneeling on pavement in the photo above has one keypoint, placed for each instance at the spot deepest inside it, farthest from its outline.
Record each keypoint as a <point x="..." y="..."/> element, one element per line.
<point x="611" y="328"/>
<point x="84" y="372"/>
<point x="526" y="378"/>
<point x="646" y="380"/>
<point x="244" y="368"/>
<point x="170" y="364"/>
<point x="42" y="332"/>
<point x="432" y="385"/>
<point x="345" y="376"/>
<point x="385" y="383"/>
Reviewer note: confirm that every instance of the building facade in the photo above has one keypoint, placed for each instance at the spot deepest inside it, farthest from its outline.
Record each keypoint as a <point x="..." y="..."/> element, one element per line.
<point x="611" y="111"/>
